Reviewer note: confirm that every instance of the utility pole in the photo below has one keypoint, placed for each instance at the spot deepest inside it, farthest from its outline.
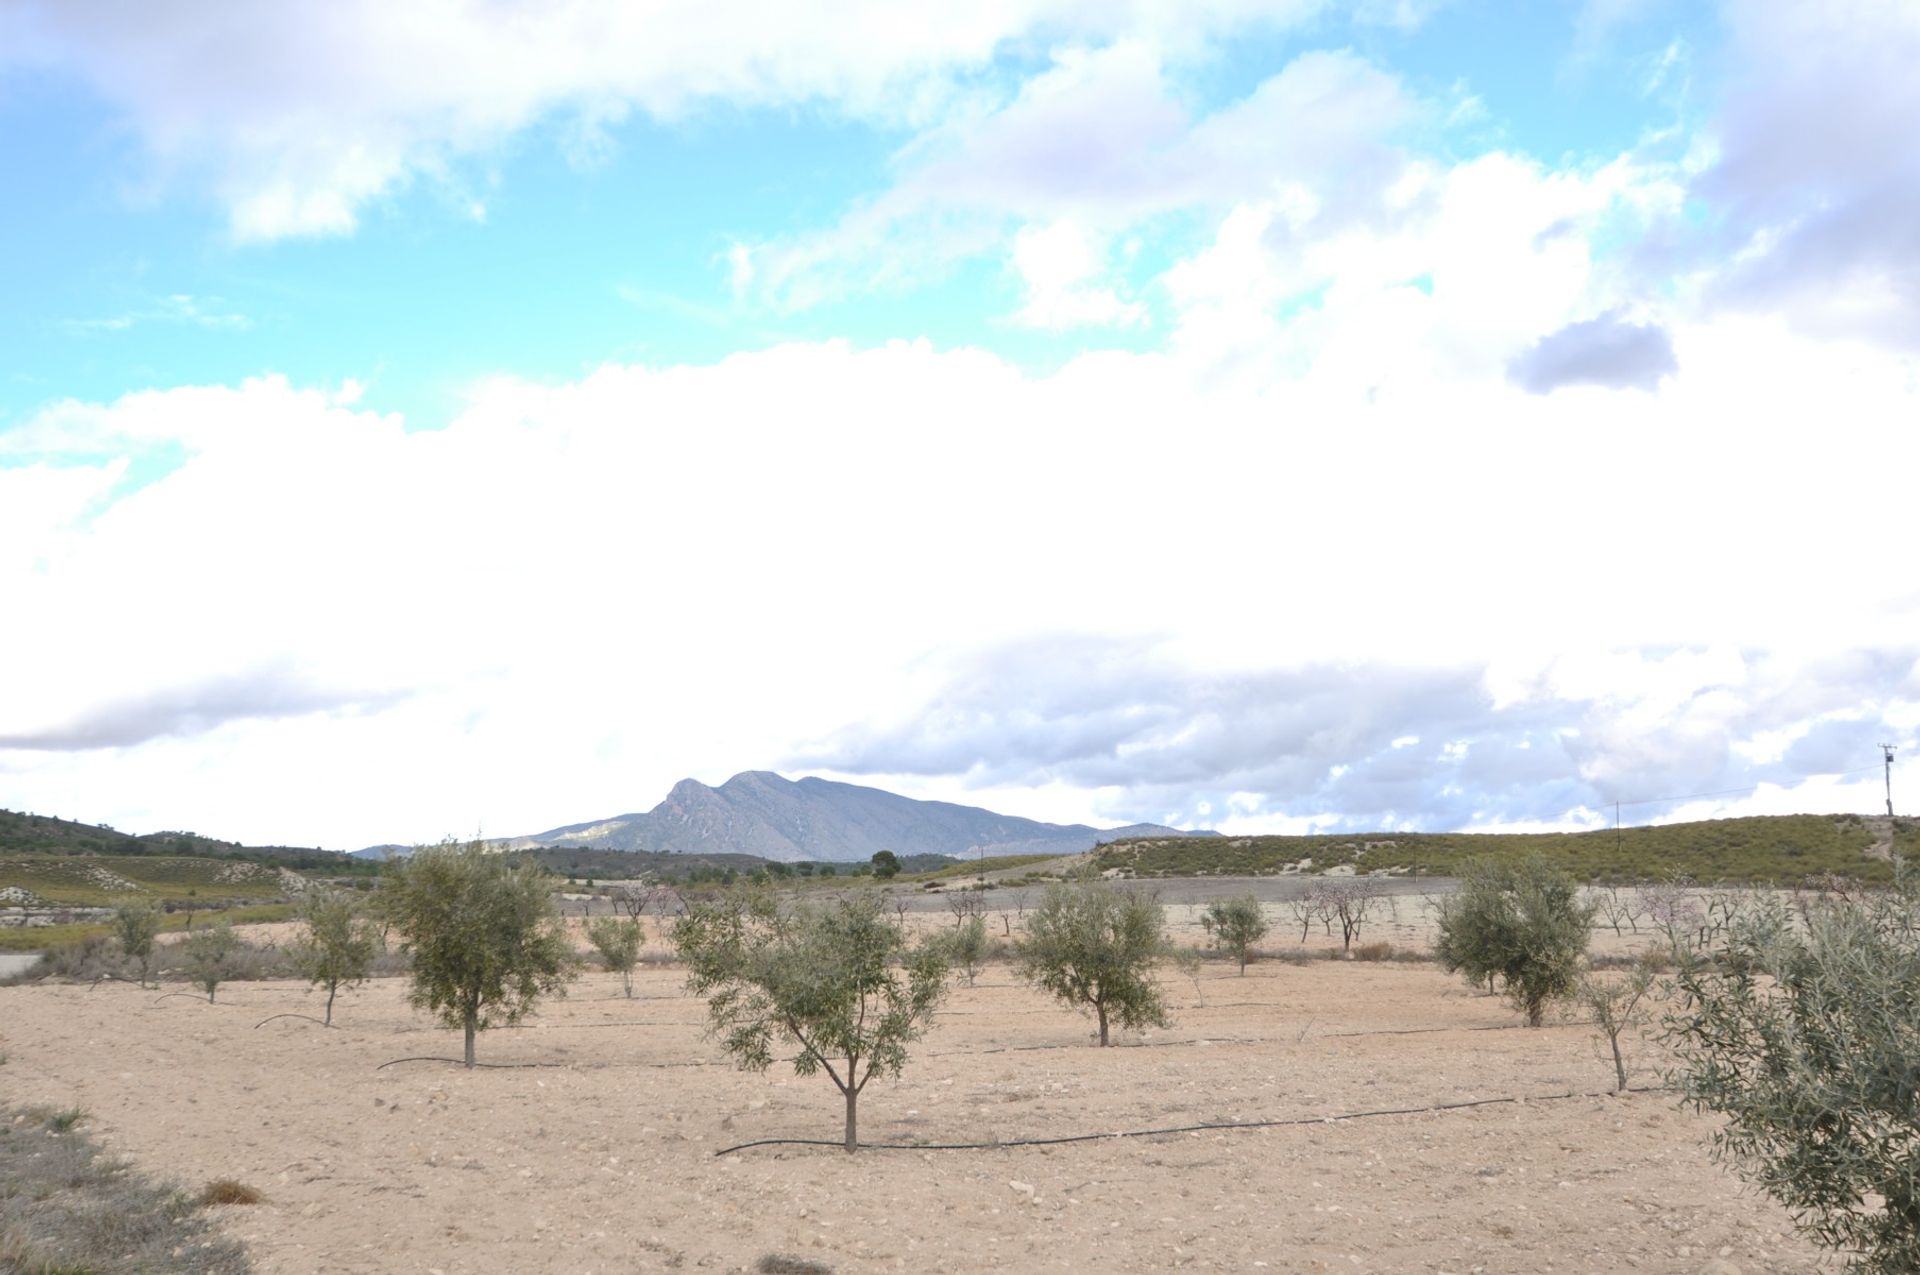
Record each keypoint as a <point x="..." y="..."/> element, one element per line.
<point x="1887" y="750"/>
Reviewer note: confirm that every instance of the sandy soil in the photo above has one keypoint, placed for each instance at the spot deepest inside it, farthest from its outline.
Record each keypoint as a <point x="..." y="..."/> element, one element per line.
<point x="606" y="1161"/>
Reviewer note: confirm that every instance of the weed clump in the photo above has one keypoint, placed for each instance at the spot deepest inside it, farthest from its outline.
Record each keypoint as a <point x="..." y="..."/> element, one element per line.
<point x="230" y="1191"/>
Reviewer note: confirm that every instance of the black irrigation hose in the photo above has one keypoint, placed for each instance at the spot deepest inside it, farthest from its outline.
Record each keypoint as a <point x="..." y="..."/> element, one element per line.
<point x="195" y="996"/>
<point x="461" y="1062"/>
<point x="658" y="1066"/>
<point x="1418" y="1031"/>
<point x="1187" y="1128"/>
<point x="309" y="1017"/>
<point x="1145" y="1044"/>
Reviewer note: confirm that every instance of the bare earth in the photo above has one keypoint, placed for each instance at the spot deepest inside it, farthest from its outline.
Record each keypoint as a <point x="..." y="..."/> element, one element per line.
<point x="605" y="1162"/>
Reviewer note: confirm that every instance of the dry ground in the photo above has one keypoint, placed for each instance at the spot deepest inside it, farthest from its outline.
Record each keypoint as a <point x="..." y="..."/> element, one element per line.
<point x="605" y="1163"/>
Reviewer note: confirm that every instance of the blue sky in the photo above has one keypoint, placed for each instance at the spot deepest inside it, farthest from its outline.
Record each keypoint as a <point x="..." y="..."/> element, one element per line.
<point x="836" y="370"/>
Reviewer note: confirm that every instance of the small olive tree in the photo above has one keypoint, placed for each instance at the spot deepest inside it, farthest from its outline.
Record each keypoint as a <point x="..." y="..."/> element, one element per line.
<point x="967" y="946"/>
<point x="339" y="945"/>
<point x="1523" y="921"/>
<point x="135" y="923"/>
<point x="1807" y="1039"/>
<point x="1095" y="946"/>
<point x="840" y="984"/>
<point x="1237" y="923"/>
<point x="486" y="938"/>
<point x="618" y="941"/>
<point x="208" y="956"/>
<point x="1617" y="1002"/>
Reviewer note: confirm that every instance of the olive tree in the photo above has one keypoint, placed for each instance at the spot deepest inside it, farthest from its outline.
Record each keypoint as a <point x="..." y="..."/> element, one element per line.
<point x="967" y="946"/>
<point x="1095" y="946"/>
<point x="1806" y="1039"/>
<point x="136" y="922"/>
<point x="486" y="938"/>
<point x="618" y="941"/>
<point x="339" y="944"/>
<point x="1237" y="923"/>
<point x="208" y="955"/>
<point x="1523" y="921"/>
<point x="840" y="985"/>
<point x="1617" y="1002"/>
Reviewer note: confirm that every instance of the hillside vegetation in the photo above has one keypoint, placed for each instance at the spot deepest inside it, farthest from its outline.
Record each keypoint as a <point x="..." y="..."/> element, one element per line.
<point x="1776" y="848"/>
<point x="22" y="834"/>
<point x="95" y="880"/>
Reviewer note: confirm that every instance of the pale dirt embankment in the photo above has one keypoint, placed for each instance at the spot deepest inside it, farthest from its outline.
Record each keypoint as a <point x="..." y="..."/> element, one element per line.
<point x="605" y="1163"/>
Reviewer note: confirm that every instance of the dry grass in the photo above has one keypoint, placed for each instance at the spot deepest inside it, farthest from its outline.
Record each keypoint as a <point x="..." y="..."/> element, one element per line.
<point x="781" y="1264"/>
<point x="67" y="1209"/>
<point x="230" y="1191"/>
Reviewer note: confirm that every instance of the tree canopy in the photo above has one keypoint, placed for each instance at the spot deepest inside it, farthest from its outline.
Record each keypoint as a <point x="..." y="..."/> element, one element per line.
<point x="840" y="985"/>
<point x="486" y="937"/>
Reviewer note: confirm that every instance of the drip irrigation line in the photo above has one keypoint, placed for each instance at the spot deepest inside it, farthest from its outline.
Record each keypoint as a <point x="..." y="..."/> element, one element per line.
<point x="309" y="1017"/>
<point x="459" y="1062"/>
<point x="1418" y="1031"/>
<point x="1145" y="1044"/>
<point x="195" y="996"/>
<point x="1213" y="1126"/>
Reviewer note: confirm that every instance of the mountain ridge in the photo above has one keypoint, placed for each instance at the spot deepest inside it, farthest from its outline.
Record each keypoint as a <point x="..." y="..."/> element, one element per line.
<point x="760" y="812"/>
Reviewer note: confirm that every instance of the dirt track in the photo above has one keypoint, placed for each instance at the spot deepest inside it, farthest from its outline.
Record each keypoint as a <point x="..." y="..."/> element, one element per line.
<point x="605" y="1163"/>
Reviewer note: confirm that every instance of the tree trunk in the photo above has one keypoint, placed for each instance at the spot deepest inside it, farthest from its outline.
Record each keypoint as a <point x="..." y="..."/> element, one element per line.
<point x="210" y="995"/>
<point x="1243" y="962"/>
<point x="472" y="1023"/>
<point x="853" y="1099"/>
<point x="1619" y="1066"/>
<point x="626" y="979"/>
<point x="332" y="990"/>
<point x="1101" y="1011"/>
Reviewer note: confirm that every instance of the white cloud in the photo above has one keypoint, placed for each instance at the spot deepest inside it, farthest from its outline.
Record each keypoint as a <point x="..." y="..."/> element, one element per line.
<point x="179" y="307"/>
<point x="575" y="594"/>
<point x="1816" y="171"/>
<point x="1063" y="273"/>
<point x="299" y="115"/>
<point x="1105" y="139"/>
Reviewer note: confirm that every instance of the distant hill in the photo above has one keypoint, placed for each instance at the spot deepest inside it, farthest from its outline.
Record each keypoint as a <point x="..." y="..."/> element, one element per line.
<point x="44" y="834"/>
<point x="1781" y="848"/>
<point x="818" y="820"/>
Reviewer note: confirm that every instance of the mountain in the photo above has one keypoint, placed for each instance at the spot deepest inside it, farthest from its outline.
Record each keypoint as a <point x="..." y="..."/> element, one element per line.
<point x="761" y="813"/>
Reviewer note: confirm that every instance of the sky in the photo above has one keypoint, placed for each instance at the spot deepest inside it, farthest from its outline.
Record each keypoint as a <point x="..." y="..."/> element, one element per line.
<point x="1264" y="415"/>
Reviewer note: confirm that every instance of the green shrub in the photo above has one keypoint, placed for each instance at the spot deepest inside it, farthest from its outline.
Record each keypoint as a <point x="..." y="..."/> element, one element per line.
<point x="840" y="984"/>
<point x="1095" y="946"/>
<point x="1524" y="923"/>
<point x="1807" y="1040"/>
<point x="1237" y="924"/>
<point x="483" y="931"/>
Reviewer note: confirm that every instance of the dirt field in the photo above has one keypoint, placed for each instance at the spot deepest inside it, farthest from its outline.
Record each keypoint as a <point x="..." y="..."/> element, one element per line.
<point x="606" y="1162"/>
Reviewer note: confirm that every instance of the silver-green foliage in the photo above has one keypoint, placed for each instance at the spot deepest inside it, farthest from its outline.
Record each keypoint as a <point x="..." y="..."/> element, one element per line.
<point x="1617" y="1003"/>
<point x="339" y="944"/>
<point x="1095" y="946"/>
<point x="840" y="985"/>
<point x="208" y="956"/>
<point x="1807" y="1039"/>
<point x="486" y="938"/>
<point x="618" y="941"/>
<point x="135" y="923"/>
<point x="967" y="946"/>
<point x="1523" y="921"/>
<point x="1237" y="923"/>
